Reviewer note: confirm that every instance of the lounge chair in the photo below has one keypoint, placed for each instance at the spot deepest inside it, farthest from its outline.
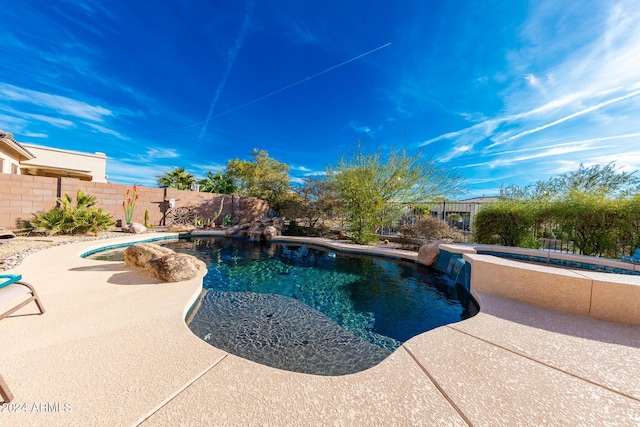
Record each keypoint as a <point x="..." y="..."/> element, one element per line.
<point x="13" y="290"/>
<point x="635" y="258"/>
<point x="5" y="393"/>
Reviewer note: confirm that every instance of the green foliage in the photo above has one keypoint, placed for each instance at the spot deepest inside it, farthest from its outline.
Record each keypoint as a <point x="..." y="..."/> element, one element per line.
<point x="589" y="220"/>
<point x="217" y="183"/>
<point x="147" y="223"/>
<point x="506" y="222"/>
<point x="596" y="225"/>
<point x="294" y="229"/>
<point x="453" y="218"/>
<point x="317" y="201"/>
<point x="628" y="224"/>
<point x="226" y="221"/>
<point x="603" y="180"/>
<point x="177" y="178"/>
<point x="129" y="204"/>
<point x="421" y="210"/>
<point x="369" y="183"/>
<point x="362" y="200"/>
<point x="261" y="177"/>
<point x="67" y="219"/>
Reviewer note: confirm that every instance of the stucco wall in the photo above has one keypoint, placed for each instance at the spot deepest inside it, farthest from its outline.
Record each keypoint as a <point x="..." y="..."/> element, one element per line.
<point x="23" y="195"/>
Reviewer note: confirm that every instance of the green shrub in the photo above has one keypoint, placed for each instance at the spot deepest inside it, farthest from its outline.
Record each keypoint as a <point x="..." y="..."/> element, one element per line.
<point x="506" y="223"/>
<point x="67" y="219"/>
<point x="589" y="221"/>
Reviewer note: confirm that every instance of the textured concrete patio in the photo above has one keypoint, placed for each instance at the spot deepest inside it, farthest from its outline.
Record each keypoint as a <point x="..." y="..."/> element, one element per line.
<point x="113" y="349"/>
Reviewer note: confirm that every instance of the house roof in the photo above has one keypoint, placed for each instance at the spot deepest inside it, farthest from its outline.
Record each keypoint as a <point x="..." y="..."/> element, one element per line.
<point x="56" y="171"/>
<point x="9" y="142"/>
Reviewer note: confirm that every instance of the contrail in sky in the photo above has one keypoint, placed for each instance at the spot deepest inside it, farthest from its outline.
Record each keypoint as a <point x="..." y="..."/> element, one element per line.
<point x="211" y="117"/>
<point x="231" y="55"/>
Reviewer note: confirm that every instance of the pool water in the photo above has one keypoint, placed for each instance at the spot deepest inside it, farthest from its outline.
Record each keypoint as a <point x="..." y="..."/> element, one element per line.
<point x="311" y="310"/>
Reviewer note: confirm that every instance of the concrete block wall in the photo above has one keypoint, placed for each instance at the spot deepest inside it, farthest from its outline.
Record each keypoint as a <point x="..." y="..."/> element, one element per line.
<point x="23" y="195"/>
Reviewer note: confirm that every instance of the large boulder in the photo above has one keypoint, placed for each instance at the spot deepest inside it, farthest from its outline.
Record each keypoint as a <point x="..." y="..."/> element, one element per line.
<point x="176" y="267"/>
<point x="428" y="253"/>
<point x="140" y="253"/>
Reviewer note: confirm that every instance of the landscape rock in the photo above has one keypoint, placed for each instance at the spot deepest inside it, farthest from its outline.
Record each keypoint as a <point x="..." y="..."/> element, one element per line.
<point x="260" y="229"/>
<point x="181" y="228"/>
<point x="428" y="253"/>
<point x="141" y="253"/>
<point x="236" y="229"/>
<point x="137" y="228"/>
<point x="271" y="231"/>
<point x="176" y="267"/>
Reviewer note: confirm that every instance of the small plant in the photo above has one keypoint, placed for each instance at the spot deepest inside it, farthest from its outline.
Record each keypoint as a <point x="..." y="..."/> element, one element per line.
<point x="146" y="219"/>
<point x="217" y="214"/>
<point x="226" y="221"/>
<point x="129" y="204"/>
<point x="67" y="219"/>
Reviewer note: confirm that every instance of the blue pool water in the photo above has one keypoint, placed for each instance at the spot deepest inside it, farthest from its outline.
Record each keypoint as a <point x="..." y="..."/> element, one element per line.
<point x="311" y="310"/>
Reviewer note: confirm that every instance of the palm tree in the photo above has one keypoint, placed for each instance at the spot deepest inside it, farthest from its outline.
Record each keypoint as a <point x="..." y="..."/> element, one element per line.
<point x="177" y="178"/>
<point x="217" y="183"/>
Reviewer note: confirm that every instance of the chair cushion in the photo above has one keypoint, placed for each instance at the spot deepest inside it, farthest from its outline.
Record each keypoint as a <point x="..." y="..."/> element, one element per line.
<point x="8" y="279"/>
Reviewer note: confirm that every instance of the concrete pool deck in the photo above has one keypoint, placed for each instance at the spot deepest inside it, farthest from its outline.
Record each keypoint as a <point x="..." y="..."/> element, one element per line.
<point x="113" y="349"/>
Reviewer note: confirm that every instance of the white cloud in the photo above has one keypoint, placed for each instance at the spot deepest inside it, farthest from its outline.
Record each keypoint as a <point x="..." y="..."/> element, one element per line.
<point x="583" y="83"/>
<point x="358" y="127"/>
<point x="154" y="153"/>
<point x="63" y="105"/>
<point x="107" y="131"/>
<point x="35" y="135"/>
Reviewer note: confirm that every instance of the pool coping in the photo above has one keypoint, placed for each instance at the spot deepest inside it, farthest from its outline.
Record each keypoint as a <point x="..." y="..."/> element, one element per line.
<point x="114" y="346"/>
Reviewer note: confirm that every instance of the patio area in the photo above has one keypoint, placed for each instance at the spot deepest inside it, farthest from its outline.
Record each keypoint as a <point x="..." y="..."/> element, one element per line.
<point x="113" y="349"/>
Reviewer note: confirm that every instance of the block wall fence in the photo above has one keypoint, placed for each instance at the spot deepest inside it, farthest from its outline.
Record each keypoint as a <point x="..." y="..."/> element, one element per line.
<point x="23" y="195"/>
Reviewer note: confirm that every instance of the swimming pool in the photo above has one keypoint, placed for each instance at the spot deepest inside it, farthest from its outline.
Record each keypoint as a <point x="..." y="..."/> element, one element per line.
<point x="307" y="309"/>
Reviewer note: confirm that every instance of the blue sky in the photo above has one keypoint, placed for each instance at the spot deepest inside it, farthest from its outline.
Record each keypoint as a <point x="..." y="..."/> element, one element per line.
<point x="507" y="91"/>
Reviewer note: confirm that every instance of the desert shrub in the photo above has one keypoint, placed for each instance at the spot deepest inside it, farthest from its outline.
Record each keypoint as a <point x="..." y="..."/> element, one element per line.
<point x="67" y="219"/>
<point x="427" y="230"/>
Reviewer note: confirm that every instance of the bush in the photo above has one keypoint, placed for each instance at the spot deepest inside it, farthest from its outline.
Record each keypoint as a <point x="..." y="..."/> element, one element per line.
<point x="589" y="221"/>
<point x="67" y="219"/>
<point x="427" y="230"/>
<point x="506" y="223"/>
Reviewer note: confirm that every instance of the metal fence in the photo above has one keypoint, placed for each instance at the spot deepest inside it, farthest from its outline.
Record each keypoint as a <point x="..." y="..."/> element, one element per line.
<point x="459" y="216"/>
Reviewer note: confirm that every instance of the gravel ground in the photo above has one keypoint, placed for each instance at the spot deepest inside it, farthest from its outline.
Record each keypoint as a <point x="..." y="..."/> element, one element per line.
<point x="13" y="251"/>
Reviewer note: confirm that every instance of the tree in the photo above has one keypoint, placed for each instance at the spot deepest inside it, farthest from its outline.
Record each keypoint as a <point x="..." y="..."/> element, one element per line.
<point x="177" y="178"/>
<point x="368" y="183"/>
<point x="217" y="183"/>
<point x="602" y="180"/>
<point x="362" y="201"/>
<point x="262" y="177"/>
<point x="318" y="200"/>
